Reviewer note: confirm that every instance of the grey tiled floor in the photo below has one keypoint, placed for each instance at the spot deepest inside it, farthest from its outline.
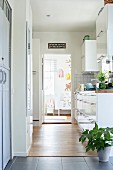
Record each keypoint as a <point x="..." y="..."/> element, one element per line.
<point x="59" y="163"/>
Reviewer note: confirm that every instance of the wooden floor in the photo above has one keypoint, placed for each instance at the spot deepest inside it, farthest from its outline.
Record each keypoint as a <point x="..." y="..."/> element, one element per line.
<point x="58" y="140"/>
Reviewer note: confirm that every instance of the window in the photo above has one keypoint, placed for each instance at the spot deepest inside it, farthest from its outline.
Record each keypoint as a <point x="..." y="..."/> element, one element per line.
<point x="49" y="76"/>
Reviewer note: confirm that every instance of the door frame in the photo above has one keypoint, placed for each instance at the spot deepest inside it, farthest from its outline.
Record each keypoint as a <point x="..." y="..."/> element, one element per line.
<point x="10" y="85"/>
<point x="49" y="54"/>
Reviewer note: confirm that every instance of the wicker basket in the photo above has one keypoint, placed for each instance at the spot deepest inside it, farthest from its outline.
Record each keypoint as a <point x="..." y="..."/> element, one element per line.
<point x="108" y="1"/>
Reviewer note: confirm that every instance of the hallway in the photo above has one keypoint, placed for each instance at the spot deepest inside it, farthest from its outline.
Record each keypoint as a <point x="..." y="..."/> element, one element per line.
<point x="58" y="140"/>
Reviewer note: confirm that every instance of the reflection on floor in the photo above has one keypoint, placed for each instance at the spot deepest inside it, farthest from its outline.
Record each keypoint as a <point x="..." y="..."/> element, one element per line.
<point x="58" y="140"/>
<point x="57" y="119"/>
<point x="59" y="163"/>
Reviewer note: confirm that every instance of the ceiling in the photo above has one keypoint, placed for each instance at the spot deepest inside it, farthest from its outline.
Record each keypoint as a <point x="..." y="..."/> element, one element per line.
<point x="66" y="15"/>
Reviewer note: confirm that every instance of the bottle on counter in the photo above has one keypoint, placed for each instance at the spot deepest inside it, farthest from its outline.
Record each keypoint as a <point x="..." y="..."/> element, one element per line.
<point x="81" y="87"/>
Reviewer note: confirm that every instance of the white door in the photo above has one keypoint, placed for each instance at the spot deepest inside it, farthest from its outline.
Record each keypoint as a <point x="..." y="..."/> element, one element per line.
<point x="29" y="72"/>
<point x="5" y="52"/>
<point x="4" y="91"/>
<point x="6" y="118"/>
<point x="1" y="24"/>
<point x="1" y="79"/>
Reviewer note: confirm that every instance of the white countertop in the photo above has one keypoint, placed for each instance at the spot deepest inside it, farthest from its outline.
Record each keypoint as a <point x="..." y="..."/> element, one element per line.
<point x="87" y="93"/>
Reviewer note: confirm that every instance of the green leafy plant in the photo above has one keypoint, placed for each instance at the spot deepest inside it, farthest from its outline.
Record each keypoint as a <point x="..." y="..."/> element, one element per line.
<point x="97" y="138"/>
<point x="101" y="76"/>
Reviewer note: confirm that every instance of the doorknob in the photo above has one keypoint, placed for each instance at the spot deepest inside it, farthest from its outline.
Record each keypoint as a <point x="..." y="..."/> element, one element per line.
<point x="100" y="33"/>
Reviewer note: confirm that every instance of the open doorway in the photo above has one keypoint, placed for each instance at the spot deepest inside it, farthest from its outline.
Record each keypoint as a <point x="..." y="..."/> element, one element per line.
<point x="57" y="88"/>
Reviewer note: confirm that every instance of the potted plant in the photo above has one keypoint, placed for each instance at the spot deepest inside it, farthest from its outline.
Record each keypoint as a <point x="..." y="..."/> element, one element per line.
<point x="108" y="2"/>
<point x="100" y="139"/>
<point x="102" y="77"/>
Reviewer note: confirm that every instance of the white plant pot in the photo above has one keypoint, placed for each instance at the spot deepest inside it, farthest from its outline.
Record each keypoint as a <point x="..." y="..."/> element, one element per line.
<point x="104" y="154"/>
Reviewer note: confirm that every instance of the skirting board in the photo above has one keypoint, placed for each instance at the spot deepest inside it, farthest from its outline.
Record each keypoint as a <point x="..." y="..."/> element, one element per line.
<point x="23" y="154"/>
<point x="35" y="122"/>
<point x="28" y="150"/>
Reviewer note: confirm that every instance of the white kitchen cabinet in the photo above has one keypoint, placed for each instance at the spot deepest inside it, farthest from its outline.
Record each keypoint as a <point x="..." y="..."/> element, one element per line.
<point x="1" y="151"/>
<point x="104" y="32"/>
<point x="4" y="40"/>
<point x="5" y="36"/>
<point x="104" y="110"/>
<point x="1" y="24"/>
<point x="5" y="120"/>
<point x="104" y="19"/>
<point x="89" y="53"/>
<point x="85" y="109"/>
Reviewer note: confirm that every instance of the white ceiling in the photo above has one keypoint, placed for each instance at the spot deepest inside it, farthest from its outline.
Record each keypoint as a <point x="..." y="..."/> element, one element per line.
<point x="66" y="15"/>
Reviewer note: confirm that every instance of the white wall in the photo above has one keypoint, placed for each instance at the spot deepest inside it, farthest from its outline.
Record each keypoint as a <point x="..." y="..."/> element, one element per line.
<point x="21" y="122"/>
<point x="74" y="42"/>
<point x="19" y="77"/>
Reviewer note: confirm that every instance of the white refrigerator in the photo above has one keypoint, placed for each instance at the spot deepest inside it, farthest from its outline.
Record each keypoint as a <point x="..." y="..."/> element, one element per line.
<point x="5" y="116"/>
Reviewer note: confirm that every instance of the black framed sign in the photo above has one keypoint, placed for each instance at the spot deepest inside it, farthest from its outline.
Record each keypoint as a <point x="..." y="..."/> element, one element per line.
<point x="56" y="45"/>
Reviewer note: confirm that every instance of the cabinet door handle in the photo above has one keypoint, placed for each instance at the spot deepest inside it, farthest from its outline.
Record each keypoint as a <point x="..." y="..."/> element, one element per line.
<point x="34" y="72"/>
<point x="85" y="102"/>
<point x="100" y="33"/>
<point x="93" y="103"/>
<point x="1" y="72"/>
<point x="5" y="77"/>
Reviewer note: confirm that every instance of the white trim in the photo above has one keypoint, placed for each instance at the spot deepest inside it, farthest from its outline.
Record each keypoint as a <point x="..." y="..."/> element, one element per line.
<point x="28" y="150"/>
<point x="57" y="55"/>
<point x="24" y="154"/>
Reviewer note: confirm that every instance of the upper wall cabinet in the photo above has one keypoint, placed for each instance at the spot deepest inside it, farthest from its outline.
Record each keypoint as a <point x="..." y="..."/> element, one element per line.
<point x="89" y="53"/>
<point x="104" y="32"/>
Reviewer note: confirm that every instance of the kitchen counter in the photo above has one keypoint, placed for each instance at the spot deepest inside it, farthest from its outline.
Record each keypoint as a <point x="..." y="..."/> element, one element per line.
<point x="96" y="91"/>
<point x="104" y="91"/>
<point x="91" y="106"/>
<point x="104" y="109"/>
<point x="86" y="92"/>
